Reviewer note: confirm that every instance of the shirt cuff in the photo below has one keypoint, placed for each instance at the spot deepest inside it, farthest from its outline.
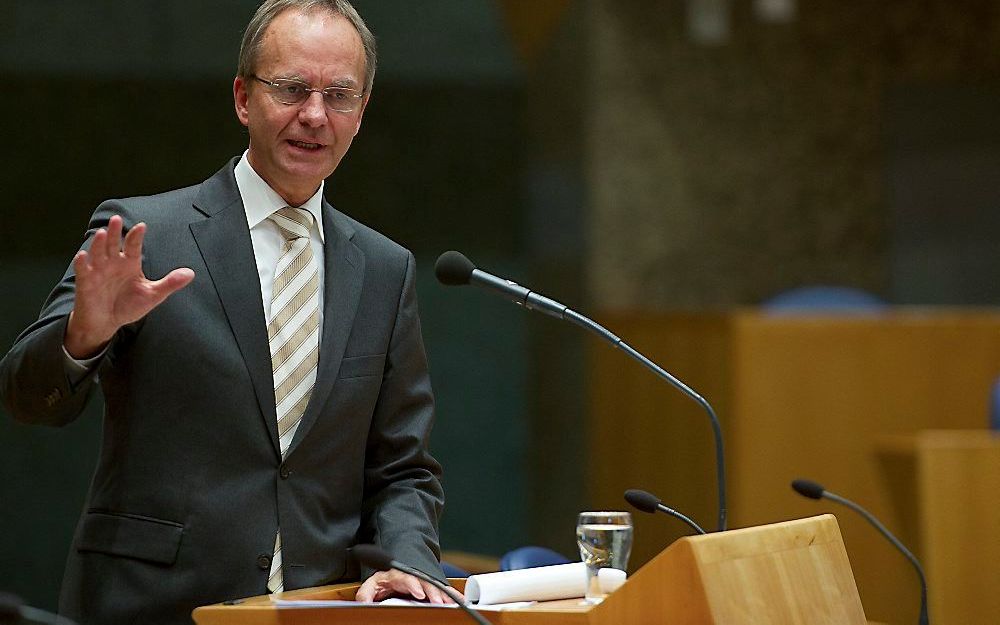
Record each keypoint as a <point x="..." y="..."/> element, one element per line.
<point x="77" y="370"/>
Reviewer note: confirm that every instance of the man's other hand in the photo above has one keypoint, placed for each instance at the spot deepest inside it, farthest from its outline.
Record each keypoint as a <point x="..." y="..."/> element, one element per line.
<point x="111" y="289"/>
<point x="385" y="584"/>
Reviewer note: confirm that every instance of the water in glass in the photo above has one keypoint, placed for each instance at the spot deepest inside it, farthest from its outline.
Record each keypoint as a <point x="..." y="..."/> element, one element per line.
<point x="605" y="541"/>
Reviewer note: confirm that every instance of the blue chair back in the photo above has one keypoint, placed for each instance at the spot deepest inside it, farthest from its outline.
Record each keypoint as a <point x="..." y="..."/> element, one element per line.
<point x="995" y="407"/>
<point x="530" y="557"/>
<point x="824" y="298"/>
<point x="450" y="570"/>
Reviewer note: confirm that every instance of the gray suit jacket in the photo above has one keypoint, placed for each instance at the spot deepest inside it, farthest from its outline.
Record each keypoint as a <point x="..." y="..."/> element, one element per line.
<point x="190" y="486"/>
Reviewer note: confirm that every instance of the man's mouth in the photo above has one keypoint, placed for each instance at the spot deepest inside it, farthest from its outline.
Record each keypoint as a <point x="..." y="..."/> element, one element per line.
<point x="305" y="145"/>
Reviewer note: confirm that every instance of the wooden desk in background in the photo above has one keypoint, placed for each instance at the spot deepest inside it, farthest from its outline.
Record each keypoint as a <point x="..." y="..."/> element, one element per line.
<point x="944" y="485"/>
<point x="798" y="396"/>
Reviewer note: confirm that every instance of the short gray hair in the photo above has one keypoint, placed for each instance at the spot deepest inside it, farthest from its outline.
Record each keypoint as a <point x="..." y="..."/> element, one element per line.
<point x="253" y="37"/>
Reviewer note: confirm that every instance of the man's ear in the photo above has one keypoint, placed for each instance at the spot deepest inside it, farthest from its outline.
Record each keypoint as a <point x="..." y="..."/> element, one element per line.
<point x="240" y="97"/>
<point x="361" y="113"/>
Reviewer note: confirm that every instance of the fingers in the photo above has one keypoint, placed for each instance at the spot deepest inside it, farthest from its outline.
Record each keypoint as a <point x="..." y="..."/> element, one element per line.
<point x="375" y="588"/>
<point x="447" y="597"/>
<point x="113" y="242"/>
<point x="81" y="263"/>
<point x="133" y="241"/>
<point x="107" y="242"/>
<point x="383" y="585"/>
<point x="98" y="252"/>
<point x="366" y="592"/>
<point x="407" y="585"/>
<point x="435" y="594"/>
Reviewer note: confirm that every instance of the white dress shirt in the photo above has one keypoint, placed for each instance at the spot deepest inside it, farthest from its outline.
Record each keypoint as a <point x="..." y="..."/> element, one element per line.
<point x="260" y="202"/>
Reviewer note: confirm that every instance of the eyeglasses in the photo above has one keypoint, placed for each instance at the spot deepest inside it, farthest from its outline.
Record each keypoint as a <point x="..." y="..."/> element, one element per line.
<point x="290" y="91"/>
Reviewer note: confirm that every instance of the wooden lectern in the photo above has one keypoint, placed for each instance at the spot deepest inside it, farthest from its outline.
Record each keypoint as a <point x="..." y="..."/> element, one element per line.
<point x="795" y="572"/>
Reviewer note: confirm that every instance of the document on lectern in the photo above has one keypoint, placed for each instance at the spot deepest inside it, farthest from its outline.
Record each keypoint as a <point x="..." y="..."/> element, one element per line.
<point x="389" y="603"/>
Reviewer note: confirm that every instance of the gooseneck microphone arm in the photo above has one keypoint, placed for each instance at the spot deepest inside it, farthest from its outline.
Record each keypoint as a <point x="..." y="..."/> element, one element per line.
<point x="373" y="557"/>
<point x="720" y="461"/>
<point x="13" y="610"/>
<point x="680" y="515"/>
<point x="895" y="541"/>
<point x="453" y="268"/>
<point x="812" y="490"/>
<point x="648" y="502"/>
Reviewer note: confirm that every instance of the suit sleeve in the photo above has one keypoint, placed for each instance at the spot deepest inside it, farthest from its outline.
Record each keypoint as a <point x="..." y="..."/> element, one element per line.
<point x="403" y="496"/>
<point x="36" y="384"/>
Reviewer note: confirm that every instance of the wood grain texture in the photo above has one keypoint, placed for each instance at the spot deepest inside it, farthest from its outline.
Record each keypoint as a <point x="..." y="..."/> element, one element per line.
<point x="790" y="573"/>
<point x="798" y="396"/>
<point x="950" y="480"/>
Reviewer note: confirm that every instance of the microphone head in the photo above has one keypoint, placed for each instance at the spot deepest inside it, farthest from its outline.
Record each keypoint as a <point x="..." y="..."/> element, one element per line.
<point x="641" y="500"/>
<point x="808" y="488"/>
<point x="372" y="557"/>
<point x="453" y="268"/>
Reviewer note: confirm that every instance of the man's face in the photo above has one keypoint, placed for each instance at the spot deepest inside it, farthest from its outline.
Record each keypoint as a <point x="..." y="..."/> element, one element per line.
<point x="295" y="146"/>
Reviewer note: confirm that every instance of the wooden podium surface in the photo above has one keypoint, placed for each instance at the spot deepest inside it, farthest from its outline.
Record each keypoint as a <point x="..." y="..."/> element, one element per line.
<point x="798" y="396"/>
<point x="795" y="573"/>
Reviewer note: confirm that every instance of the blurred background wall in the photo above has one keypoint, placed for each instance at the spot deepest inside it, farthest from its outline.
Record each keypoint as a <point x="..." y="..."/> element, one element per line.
<point x="619" y="155"/>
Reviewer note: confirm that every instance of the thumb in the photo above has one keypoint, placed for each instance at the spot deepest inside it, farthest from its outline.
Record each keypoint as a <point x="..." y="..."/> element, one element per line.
<point x="172" y="282"/>
<point x="365" y="594"/>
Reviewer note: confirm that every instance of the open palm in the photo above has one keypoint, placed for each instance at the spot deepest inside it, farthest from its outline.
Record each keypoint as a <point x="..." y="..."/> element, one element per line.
<point x="111" y="289"/>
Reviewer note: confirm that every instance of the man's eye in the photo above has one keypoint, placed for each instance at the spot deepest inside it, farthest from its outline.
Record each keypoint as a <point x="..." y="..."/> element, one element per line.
<point x="291" y="89"/>
<point x="338" y="94"/>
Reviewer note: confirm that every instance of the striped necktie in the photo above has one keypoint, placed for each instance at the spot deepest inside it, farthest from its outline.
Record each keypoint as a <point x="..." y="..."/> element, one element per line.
<point x="293" y="334"/>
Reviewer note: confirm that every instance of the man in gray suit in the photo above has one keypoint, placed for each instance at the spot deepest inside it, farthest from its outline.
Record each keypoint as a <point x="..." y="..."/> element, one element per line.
<point x="268" y="403"/>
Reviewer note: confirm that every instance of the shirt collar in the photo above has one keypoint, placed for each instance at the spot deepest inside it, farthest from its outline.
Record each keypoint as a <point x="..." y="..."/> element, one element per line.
<point x="260" y="200"/>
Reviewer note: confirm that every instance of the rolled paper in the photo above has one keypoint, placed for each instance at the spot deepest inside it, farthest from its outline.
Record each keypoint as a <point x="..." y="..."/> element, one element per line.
<point x="543" y="583"/>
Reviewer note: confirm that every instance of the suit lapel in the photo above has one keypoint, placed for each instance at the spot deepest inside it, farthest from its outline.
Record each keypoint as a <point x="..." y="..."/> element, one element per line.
<point x="224" y="242"/>
<point x="344" y="270"/>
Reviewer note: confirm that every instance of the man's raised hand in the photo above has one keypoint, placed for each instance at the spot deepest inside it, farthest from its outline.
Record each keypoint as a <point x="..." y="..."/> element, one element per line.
<point x="111" y="290"/>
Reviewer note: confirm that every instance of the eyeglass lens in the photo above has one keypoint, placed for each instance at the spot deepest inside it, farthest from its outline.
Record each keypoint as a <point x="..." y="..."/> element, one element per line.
<point x="336" y="98"/>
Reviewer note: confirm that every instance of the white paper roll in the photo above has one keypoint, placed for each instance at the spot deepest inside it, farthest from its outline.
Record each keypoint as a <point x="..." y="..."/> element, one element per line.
<point x="544" y="583"/>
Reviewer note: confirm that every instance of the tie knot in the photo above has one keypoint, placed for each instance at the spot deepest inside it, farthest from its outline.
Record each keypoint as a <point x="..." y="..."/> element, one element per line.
<point x="294" y="223"/>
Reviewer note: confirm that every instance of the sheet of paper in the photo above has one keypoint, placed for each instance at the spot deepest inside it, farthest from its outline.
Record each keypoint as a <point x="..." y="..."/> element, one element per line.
<point x="388" y="603"/>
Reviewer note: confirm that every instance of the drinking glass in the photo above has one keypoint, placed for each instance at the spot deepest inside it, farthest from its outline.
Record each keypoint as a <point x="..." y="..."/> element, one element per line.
<point x="605" y="541"/>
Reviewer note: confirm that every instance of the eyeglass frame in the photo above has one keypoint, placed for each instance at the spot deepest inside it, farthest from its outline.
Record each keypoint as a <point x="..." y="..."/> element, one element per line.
<point x="309" y="90"/>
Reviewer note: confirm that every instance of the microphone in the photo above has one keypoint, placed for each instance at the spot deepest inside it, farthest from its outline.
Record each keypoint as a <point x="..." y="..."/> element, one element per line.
<point x="13" y="611"/>
<point x="454" y="269"/>
<point x="373" y="557"/>
<point x="648" y="502"/>
<point x="812" y="490"/>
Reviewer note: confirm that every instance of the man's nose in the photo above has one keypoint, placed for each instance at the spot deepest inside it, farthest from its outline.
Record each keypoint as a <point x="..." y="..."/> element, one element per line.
<point x="313" y="111"/>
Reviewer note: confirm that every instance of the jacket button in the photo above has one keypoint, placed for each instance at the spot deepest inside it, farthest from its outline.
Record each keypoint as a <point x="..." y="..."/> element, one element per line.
<point x="284" y="472"/>
<point x="53" y="397"/>
<point x="264" y="562"/>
